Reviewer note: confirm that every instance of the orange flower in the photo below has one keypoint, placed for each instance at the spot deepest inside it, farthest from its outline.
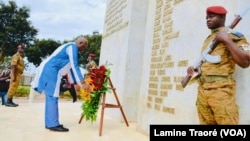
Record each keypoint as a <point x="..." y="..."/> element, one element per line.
<point x="85" y="95"/>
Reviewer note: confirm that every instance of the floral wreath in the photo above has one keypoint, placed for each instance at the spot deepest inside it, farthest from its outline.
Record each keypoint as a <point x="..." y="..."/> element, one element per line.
<point x="98" y="82"/>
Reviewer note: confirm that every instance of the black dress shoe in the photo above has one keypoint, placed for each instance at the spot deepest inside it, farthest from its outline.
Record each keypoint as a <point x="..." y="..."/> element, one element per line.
<point x="59" y="129"/>
<point x="58" y="125"/>
<point x="8" y="104"/>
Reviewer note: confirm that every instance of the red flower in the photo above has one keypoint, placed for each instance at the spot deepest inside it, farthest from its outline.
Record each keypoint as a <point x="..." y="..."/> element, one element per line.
<point x="98" y="76"/>
<point x="103" y="68"/>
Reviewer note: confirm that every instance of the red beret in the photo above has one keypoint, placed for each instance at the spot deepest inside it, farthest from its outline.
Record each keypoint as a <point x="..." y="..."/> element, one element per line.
<point x="217" y="10"/>
<point x="92" y="55"/>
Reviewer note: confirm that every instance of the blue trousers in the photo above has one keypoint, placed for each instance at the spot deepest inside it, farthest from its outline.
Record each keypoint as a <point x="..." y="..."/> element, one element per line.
<point x="4" y="97"/>
<point x="51" y="111"/>
<point x="51" y="105"/>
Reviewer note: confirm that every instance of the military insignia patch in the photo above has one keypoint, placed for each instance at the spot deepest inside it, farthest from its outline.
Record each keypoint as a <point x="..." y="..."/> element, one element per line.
<point x="238" y="34"/>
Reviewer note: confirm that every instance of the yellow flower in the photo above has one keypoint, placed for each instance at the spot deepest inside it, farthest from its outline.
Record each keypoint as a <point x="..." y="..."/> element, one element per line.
<point x="85" y="95"/>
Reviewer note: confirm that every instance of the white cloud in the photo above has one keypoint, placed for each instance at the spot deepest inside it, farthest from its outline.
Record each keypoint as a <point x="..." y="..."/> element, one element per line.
<point x="65" y="19"/>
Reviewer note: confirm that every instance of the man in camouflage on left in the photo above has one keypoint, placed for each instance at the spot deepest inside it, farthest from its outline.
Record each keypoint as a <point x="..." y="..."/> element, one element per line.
<point x="17" y="67"/>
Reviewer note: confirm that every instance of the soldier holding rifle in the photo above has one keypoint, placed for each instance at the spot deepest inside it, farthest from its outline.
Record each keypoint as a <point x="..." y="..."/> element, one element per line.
<point x="216" y="91"/>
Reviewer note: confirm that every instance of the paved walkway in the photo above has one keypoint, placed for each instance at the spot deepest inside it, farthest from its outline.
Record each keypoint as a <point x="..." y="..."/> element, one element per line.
<point x="26" y="123"/>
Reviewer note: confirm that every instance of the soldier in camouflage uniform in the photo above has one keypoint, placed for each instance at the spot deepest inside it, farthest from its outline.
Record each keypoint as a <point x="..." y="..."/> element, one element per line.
<point x="17" y="67"/>
<point x="216" y="91"/>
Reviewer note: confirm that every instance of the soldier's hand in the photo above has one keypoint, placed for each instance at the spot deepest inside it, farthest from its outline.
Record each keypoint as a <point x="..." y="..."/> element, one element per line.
<point x="191" y="71"/>
<point x="222" y="36"/>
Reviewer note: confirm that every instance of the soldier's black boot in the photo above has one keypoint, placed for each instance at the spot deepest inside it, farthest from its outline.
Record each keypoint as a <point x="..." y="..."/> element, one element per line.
<point x="14" y="103"/>
<point x="10" y="103"/>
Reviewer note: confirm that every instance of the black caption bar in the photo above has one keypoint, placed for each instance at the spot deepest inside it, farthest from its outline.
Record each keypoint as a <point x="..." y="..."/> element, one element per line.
<point x="197" y="132"/>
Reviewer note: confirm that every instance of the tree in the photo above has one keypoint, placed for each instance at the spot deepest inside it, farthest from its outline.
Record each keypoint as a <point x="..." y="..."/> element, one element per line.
<point x="15" y="29"/>
<point x="41" y="49"/>
<point x="45" y="47"/>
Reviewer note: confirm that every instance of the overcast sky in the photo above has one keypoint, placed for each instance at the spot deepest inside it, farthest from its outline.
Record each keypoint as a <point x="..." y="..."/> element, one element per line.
<point x="65" y="19"/>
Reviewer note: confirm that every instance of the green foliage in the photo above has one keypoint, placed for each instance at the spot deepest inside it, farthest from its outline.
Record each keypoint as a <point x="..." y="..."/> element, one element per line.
<point x="33" y="54"/>
<point x="40" y="50"/>
<point x="45" y="47"/>
<point x="23" y="91"/>
<point x="5" y="64"/>
<point x="15" y="28"/>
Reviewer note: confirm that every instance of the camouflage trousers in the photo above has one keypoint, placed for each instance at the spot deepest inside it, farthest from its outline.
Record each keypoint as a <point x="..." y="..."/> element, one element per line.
<point x="14" y="85"/>
<point x="216" y="103"/>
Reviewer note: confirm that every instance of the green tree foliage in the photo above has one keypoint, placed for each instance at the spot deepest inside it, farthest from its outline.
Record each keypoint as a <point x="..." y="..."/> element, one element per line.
<point x="15" y="28"/>
<point x="42" y="49"/>
<point x="45" y="47"/>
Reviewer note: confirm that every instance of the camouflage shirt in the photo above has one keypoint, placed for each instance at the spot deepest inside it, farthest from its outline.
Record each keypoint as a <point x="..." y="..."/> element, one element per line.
<point x="227" y="65"/>
<point x="17" y="60"/>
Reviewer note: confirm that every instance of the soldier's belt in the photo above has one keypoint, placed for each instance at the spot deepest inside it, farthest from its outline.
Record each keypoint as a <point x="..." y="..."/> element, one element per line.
<point x="213" y="78"/>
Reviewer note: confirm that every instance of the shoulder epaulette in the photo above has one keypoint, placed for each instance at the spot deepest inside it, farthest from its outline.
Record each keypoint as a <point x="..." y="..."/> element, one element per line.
<point x="238" y="34"/>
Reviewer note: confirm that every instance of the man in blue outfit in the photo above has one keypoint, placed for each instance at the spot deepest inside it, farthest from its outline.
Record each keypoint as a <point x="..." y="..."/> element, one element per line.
<point x="62" y="61"/>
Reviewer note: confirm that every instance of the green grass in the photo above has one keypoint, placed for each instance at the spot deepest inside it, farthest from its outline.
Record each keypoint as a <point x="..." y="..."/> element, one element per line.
<point x="24" y="91"/>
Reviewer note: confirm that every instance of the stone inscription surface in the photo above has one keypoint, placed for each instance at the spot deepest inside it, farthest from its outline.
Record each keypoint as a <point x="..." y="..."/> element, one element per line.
<point x="114" y="19"/>
<point x="160" y="82"/>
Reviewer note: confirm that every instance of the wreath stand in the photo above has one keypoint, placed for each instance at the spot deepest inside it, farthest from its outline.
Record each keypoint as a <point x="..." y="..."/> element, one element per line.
<point x="106" y="105"/>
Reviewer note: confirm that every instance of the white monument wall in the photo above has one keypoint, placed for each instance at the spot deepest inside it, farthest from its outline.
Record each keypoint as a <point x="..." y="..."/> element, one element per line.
<point x="150" y="44"/>
<point x="122" y="47"/>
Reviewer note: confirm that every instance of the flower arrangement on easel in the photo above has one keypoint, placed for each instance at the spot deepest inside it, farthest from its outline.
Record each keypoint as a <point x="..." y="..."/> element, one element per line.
<point x="97" y="80"/>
